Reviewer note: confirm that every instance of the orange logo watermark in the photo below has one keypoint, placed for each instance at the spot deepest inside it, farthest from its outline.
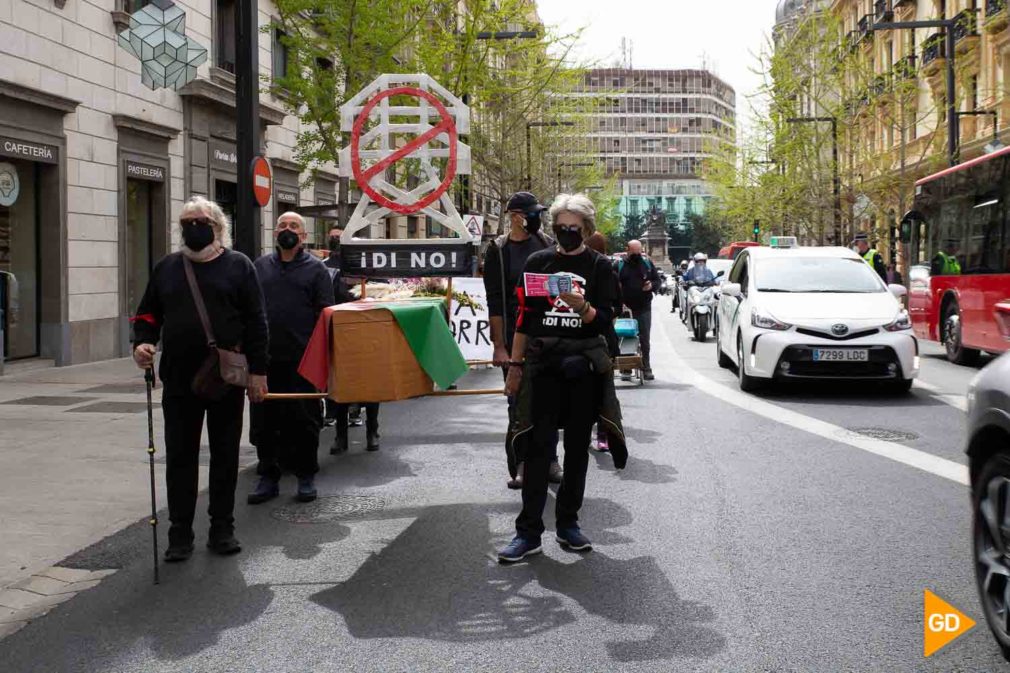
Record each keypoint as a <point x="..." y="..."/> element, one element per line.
<point x="942" y="623"/>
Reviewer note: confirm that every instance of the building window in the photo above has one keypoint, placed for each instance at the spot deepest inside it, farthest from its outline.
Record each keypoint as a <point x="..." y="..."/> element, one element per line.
<point x="131" y="6"/>
<point x="281" y="54"/>
<point x="225" y="18"/>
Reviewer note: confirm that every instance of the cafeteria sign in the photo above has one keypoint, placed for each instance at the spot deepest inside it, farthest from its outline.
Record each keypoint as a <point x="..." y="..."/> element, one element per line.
<point x="406" y="126"/>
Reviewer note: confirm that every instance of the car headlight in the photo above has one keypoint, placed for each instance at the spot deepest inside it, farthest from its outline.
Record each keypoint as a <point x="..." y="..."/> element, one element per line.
<point x="766" y="321"/>
<point x="900" y="323"/>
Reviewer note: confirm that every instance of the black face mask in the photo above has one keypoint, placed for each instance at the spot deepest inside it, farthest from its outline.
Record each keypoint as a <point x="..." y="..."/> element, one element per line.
<point x="334" y="243"/>
<point x="197" y="236"/>
<point x="287" y="239"/>
<point x="568" y="240"/>
<point x="532" y="222"/>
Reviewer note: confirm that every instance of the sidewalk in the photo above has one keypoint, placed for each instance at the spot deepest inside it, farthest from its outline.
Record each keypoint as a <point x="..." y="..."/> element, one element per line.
<point x="73" y="461"/>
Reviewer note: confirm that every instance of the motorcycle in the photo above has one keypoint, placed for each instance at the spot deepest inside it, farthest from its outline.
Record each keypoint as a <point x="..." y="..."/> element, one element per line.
<point x="664" y="283"/>
<point x="702" y="300"/>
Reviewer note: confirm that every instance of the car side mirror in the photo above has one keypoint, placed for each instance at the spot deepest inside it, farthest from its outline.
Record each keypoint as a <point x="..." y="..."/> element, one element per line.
<point x="898" y="291"/>
<point x="720" y="274"/>
<point x="732" y="289"/>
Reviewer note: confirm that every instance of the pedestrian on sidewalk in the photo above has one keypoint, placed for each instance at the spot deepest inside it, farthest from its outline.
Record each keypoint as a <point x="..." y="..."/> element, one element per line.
<point x="168" y="313"/>
<point x="639" y="281"/>
<point x="345" y="417"/>
<point x="503" y="264"/>
<point x="296" y="288"/>
<point x="561" y="372"/>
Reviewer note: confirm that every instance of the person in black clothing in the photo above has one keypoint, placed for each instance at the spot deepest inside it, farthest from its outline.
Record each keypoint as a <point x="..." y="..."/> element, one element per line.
<point x="296" y="287"/>
<point x="558" y="333"/>
<point x="639" y="280"/>
<point x="503" y="263"/>
<point x="167" y="313"/>
<point x="347" y="414"/>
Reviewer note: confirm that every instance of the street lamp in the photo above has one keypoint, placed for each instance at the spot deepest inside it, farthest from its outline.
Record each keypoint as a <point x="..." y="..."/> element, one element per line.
<point x="529" y="146"/>
<point x="836" y="183"/>
<point x="578" y="164"/>
<point x="948" y="25"/>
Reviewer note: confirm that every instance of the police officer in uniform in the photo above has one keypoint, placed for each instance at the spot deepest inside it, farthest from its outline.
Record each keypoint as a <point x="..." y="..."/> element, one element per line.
<point x="870" y="255"/>
<point x="945" y="262"/>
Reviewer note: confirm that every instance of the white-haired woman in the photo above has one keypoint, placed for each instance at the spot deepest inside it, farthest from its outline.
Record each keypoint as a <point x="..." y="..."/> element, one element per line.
<point x="167" y="313"/>
<point x="561" y="370"/>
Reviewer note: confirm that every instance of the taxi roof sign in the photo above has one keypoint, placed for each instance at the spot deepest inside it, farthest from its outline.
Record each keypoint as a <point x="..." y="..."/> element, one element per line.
<point x="783" y="242"/>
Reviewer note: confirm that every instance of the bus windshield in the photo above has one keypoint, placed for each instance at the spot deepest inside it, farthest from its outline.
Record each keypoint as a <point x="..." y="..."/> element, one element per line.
<point x="962" y="226"/>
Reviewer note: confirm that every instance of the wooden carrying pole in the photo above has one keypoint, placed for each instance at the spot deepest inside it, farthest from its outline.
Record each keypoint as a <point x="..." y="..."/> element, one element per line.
<point x="437" y="393"/>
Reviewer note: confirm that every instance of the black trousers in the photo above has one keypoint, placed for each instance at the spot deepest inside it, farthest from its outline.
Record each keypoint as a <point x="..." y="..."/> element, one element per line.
<point x="371" y="417"/>
<point x="184" y="414"/>
<point x="644" y="318"/>
<point x="508" y="435"/>
<point x="286" y="432"/>
<point x="571" y="404"/>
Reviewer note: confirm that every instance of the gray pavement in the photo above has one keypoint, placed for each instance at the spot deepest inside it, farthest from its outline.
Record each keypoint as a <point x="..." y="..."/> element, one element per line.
<point x="733" y="542"/>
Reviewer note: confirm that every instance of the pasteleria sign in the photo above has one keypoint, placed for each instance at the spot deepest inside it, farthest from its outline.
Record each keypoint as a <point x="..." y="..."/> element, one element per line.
<point x="404" y="155"/>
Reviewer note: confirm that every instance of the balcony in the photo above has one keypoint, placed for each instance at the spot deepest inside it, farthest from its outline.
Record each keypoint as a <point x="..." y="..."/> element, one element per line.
<point x="965" y="31"/>
<point x="863" y="32"/>
<point x="934" y="54"/>
<point x="902" y="4"/>
<point x="904" y="69"/>
<point x="882" y="10"/>
<point x="996" y="16"/>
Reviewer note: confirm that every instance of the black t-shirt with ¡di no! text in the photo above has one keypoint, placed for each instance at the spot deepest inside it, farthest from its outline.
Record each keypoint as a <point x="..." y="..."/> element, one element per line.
<point x="592" y="277"/>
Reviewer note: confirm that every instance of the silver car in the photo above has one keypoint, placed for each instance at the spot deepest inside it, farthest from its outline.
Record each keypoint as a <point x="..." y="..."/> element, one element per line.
<point x="989" y="464"/>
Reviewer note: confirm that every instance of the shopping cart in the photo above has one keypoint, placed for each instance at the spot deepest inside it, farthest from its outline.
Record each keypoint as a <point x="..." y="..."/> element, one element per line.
<point x="629" y="349"/>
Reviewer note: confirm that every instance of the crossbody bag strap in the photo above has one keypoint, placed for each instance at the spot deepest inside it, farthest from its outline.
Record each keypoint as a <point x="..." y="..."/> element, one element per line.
<point x="201" y="309"/>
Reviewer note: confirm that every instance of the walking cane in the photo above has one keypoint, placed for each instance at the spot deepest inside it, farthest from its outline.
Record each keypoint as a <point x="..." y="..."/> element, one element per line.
<point x="149" y="378"/>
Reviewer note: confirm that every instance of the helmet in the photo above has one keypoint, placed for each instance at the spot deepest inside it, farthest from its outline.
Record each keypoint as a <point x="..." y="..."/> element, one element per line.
<point x="683" y="263"/>
<point x="700" y="257"/>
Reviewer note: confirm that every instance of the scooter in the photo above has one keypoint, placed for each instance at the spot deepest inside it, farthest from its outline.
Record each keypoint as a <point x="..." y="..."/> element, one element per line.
<point x="702" y="300"/>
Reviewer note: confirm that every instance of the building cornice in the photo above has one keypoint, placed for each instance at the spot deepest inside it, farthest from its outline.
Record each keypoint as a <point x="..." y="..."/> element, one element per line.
<point x="37" y="97"/>
<point x="216" y="93"/>
<point x="126" y="122"/>
<point x="277" y="162"/>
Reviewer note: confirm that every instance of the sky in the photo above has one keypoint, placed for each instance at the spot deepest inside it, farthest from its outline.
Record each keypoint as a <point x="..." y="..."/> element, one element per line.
<point x="724" y="35"/>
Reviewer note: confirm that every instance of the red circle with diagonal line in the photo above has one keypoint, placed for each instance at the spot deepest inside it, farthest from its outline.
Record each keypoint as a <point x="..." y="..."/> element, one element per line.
<point x="446" y="125"/>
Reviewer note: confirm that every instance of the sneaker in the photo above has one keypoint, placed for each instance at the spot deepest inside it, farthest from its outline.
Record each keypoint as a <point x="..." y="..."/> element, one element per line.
<point x="516" y="482"/>
<point x="372" y="441"/>
<point x="266" y="489"/>
<point x="222" y="541"/>
<point x="648" y="375"/>
<point x="519" y="549"/>
<point x="555" y="474"/>
<point x="355" y="420"/>
<point x="329" y="422"/>
<point x="625" y="376"/>
<point x="573" y="539"/>
<point x="178" y="552"/>
<point x="339" y="445"/>
<point x="306" y="489"/>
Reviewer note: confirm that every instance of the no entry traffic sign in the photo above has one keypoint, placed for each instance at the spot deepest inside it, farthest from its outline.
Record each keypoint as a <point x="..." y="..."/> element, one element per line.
<point x="263" y="181"/>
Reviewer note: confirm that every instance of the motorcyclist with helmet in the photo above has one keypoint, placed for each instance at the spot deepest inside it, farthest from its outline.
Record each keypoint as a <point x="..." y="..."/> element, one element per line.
<point x="698" y="275"/>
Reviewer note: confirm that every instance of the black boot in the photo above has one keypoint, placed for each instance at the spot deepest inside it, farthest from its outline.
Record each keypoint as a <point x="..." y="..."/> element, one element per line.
<point x="266" y="489"/>
<point x="339" y="444"/>
<point x="372" y="440"/>
<point x="180" y="544"/>
<point x="221" y="539"/>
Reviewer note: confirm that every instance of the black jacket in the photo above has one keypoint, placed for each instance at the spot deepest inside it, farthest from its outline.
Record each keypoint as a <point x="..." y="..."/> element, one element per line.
<point x="296" y="292"/>
<point x="501" y="295"/>
<point x="168" y="314"/>
<point x="341" y="291"/>
<point x="632" y="276"/>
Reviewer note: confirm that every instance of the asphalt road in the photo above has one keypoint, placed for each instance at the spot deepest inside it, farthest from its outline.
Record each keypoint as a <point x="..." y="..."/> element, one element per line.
<point x="747" y="534"/>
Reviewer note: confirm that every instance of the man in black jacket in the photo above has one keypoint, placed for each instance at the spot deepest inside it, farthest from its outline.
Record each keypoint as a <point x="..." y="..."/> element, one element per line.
<point x="503" y="264"/>
<point x="639" y="280"/>
<point x="296" y="287"/>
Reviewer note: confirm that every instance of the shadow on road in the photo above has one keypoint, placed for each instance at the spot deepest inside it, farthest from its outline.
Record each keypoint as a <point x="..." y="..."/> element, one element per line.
<point x="845" y="392"/>
<point x="641" y="470"/>
<point x="437" y="581"/>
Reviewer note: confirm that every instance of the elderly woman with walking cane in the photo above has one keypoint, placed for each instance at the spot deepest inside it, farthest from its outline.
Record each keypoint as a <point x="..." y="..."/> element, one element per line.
<point x="204" y="305"/>
<point x="561" y="370"/>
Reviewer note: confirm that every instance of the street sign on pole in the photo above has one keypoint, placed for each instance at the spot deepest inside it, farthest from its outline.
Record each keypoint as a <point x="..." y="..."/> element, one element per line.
<point x="262" y="181"/>
<point x="475" y="225"/>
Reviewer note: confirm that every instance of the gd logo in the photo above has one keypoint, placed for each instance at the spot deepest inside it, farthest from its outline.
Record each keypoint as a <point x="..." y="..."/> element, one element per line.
<point x="942" y="623"/>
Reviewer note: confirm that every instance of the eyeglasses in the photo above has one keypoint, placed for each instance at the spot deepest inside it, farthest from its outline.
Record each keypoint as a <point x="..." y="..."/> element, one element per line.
<point x="190" y="221"/>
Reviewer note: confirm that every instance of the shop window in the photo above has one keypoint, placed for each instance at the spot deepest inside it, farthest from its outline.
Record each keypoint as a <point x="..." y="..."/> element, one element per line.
<point x="225" y="43"/>
<point x="20" y="265"/>
<point x="139" y="243"/>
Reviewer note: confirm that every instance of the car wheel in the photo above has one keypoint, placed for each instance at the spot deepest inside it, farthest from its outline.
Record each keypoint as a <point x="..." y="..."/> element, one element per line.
<point x="701" y="328"/>
<point x="991" y="542"/>
<point x="747" y="383"/>
<point x="951" y="337"/>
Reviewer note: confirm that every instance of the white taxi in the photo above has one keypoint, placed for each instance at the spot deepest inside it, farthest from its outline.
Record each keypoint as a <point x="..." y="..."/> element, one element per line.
<point x="794" y="313"/>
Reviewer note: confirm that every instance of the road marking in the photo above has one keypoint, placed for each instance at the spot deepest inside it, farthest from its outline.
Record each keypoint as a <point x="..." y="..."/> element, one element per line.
<point x="679" y="367"/>
<point x="956" y="401"/>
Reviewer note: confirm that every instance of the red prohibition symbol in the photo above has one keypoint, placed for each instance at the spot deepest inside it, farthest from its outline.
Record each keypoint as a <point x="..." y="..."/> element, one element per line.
<point x="446" y="125"/>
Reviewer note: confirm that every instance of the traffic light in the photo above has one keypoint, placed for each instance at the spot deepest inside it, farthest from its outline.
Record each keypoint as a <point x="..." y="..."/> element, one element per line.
<point x="757" y="230"/>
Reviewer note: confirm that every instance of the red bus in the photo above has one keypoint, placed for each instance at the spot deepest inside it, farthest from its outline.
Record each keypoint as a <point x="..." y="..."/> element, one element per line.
<point x="959" y="241"/>
<point x="734" y="249"/>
